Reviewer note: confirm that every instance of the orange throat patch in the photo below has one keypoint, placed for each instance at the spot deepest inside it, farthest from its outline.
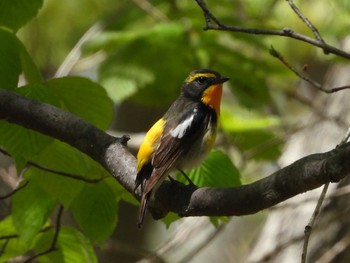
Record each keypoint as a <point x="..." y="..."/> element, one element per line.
<point x="212" y="97"/>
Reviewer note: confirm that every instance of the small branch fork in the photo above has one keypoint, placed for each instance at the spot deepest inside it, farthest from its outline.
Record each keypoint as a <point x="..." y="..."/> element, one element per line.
<point x="307" y="23"/>
<point x="312" y="221"/>
<point x="53" y="246"/>
<point x="212" y="23"/>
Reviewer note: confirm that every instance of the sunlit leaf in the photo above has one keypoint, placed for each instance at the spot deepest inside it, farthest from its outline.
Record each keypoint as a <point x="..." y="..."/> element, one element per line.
<point x="216" y="170"/>
<point x="15" y="247"/>
<point x="71" y="246"/>
<point x="31" y="207"/>
<point x="122" y="80"/>
<point x="236" y="119"/>
<point x="218" y="220"/>
<point x="169" y="219"/>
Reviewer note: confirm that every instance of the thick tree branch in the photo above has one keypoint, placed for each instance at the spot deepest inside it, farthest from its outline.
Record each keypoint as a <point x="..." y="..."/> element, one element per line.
<point x="305" y="174"/>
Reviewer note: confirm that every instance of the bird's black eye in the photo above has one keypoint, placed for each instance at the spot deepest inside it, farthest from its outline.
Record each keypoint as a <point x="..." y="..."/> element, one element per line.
<point x="201" y="80"/>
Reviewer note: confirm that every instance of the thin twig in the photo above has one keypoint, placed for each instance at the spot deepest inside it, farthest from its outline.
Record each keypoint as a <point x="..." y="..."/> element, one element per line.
<point x="14" y="191"/>
<point x="308" y="228"/>
<point x="12" y="236"/>
<point x="3" y="247"/>
<point x="54" y="239"/>
<point x="310" y="225"/>
<point x="69" y="175"/>
<point x="8" y="237"/>
<point x="315" y="84"/>
<point x="307" y="22"/>
<point x="212" y="23"/>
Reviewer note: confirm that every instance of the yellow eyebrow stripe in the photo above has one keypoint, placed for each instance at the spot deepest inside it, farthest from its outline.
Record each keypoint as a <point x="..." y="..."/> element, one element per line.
<point x="196" y="75"/>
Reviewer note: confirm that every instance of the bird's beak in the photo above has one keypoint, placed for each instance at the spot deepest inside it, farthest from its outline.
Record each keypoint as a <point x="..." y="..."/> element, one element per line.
<point x="221" y="80"/>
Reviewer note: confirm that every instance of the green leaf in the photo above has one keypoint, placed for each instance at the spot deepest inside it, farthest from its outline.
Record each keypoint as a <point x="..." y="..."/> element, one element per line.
<point x="39" y="92"/>
<point x="252" y="93"/>
<point x="258" y="144"/>
<point x="128" y="71"/>
<point x="6" y="227"/>
<point x="123" y="80"/>
<point x="84" y="98"/>
<point x="218" y="220"/>
<point x="72" y="247"/>
<point x="16" y="246"/>
<point x="31" y="207"/>
<point x="30" y="70"/>
<point x="21" y="143"/>
<point x="216" y="171"/>
<point x="119" y="191"/>
<point x="95" y="210"/>
<point x="43" y="242"/>
<point x="10" y="64"/>
<point x="62" y="158"/>
<point x="253" y="132"/>
<point x="16" y="13"/>
<point x="235" y="119"/>
<point x="75" y="247"/>
<point x="169" y="219"/>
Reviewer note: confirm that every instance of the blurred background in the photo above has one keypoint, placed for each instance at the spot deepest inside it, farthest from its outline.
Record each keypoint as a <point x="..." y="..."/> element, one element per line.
<point x="141" y="51"/>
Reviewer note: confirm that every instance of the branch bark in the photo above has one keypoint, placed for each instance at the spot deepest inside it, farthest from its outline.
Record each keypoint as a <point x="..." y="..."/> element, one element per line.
<point x="303" y="175"/>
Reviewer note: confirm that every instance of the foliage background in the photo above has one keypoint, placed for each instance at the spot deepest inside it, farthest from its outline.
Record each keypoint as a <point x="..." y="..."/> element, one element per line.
<point x="128" y="66"/>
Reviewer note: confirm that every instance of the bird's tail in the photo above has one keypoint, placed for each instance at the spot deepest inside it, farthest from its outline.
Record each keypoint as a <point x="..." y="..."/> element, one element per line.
<point x="142" y="210"/>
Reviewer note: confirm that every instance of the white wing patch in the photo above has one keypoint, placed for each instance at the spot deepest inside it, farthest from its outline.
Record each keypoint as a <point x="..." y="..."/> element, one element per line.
<point x="180" y="130"/>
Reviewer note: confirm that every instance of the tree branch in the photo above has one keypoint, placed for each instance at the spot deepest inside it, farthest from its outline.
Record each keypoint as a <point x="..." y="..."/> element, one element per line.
<point x="305" y="174"/>
<point x="213" y="23"/>
<point x="53" y="247"/>
<point x="315" y="84"/>
<point x="14" y="191"/>
<point x="49" y="170"/>
<point x="306" y="21"/>
<point x="309" y="227"/>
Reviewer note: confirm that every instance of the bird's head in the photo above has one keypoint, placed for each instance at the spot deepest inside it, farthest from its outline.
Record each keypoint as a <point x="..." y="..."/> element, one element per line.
<point x="204" y="85"/>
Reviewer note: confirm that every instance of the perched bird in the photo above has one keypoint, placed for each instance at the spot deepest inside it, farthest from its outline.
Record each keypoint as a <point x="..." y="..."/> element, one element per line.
<point x="183" y="137"/>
